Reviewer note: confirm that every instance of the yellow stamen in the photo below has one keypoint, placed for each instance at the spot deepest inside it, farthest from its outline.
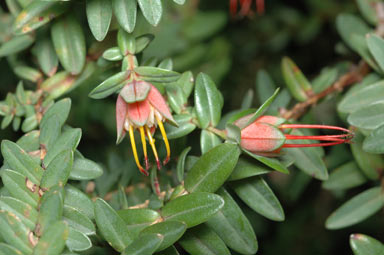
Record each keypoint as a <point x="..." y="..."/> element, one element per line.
<point x="131" y="135"/>
<point x="152" y="143"/>
<point x="165" y="139"/>
<point x="144" y="143"/>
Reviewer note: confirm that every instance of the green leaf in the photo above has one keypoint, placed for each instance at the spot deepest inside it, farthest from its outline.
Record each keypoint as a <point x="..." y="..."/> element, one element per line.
<point x="68" y="140"/>
<point x="353" y="30"/>
<point x="143" y="41"/>
<point x="231" y="225"/>
<point x="247" y="168"/>
<point x="16" y="44"/>
<point x="170" y="230"/>
<point x="20" y="187"/>
<point x="356" y="209"/>
<point x="14" y="232"/>
<point x="37" y="14"/>
<point x="376" y="47"/>
<point x="374" y="143"/>
<point x="155" y="74"/>
<point x="46" y="56"/>
<point x="152" y="10"/>
<point x="99" y="16"/>
<point x="367" y="9"/>
<point x="181" y="2"/>
<point x="78" y="221"/>
<point x="125" y="11"/>
<point x="208" y="140"/>
<point x="49" y="133"/>
<point x="207" y="101"/>
<point x="175" y="97"/>
<point x="144" y="245"/>
<point x="192" y="209"/>
<point x="138" y="219"/>
<point x="369" y="117"/>
<point x="77" y="241"/>
<point x="58" y="170"/>
<point x="264" y="85"/>
<point x="271" y="162"/>
<point x="296" y="82"/>
<point x="185" y="126"/>
<point x="365" y="245"/>
<point x="203" y="241"/>
<point x="256" y="193"/>
<point x="212" y="169"/>
<point x="50" y="210"/>
<point x="19" y="208"/>
<point x="53" y="240"/>
<point x="262" y="109"/>
<point x="362" y="98"/>
<point x="78" y="200"/>
<point x="111" y="226"/>
<point x="21" y="162"/>
<point x="28" y="73"/>
<point x="345" y="177"/>
<point x="60" y="109"/>
<point x="69" y="42"/>
<point x="109" y="86"/>
<point x="181" y="164"/>
<point x="368" y="163"/>
<point x="113" y="54"/>
<point x="6" y="249"/>
<point x="85" y="169"/>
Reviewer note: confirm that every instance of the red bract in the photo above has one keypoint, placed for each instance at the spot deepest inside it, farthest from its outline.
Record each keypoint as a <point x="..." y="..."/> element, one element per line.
<point x="245" y="7"/>
<point x="140" y="106"/>
<point x="266" y="135"/>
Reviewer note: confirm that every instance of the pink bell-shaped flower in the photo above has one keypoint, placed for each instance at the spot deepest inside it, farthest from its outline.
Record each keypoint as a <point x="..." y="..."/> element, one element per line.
<point x="140" y="106"/>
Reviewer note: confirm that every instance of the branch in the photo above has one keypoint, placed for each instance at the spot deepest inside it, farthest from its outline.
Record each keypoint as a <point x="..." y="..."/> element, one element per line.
<point x="353" y="76"/>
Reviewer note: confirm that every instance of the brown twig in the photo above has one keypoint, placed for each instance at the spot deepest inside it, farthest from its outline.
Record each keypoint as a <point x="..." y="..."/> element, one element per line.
<point x="356" y="74"/>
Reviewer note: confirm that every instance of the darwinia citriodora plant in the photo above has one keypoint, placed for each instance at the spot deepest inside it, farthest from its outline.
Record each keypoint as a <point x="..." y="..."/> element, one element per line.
<point x="168" y="79"/>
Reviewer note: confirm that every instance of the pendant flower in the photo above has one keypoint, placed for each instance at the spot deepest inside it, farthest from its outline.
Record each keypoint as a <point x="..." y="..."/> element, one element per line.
<point x="265" y="136"/>
<point x="245" y="7"/>
<point x="140" y="106"/>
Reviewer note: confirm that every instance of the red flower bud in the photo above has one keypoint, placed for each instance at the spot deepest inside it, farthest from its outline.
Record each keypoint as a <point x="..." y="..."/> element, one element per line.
<point x="266" y="135"/>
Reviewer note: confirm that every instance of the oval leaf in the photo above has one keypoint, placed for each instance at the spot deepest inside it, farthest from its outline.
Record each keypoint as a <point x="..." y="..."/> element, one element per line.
<point x="256" y="193"/>
<point x="365" y="245"/>
<point x="192" y="209"/>
<point x="99" y="15"/>
<point x="212" y="169"/>
<point x="152" y="10"/>
<point x="69" y="42"/>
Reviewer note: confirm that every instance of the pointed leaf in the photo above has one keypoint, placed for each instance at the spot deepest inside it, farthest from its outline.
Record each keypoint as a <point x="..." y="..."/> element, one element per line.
<point x="365" y="245"/>
<point x="256" y="193"/>
<point x="155" y="74"/>
<point x="20" y="187"/>
<point x="356" y="209"/>
<point x="77" y="241"/>
<point x="58" y="170"/>
<point x="233" y="227"/>
<point x="207" y="101"/>
<point x="109" y="86"/>
<point x="111" y="226"/>
<point x="20" y="161"/>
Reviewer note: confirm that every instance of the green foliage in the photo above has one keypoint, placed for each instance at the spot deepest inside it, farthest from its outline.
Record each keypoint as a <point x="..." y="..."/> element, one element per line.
<point x="67" y="190"/>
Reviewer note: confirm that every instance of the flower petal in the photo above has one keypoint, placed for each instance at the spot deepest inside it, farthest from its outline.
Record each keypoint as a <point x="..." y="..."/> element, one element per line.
<point x="121" y="113"/>
<point x="261" y="137"/>
<point x="158" y="102"/>
<point x="138" y="113"/>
